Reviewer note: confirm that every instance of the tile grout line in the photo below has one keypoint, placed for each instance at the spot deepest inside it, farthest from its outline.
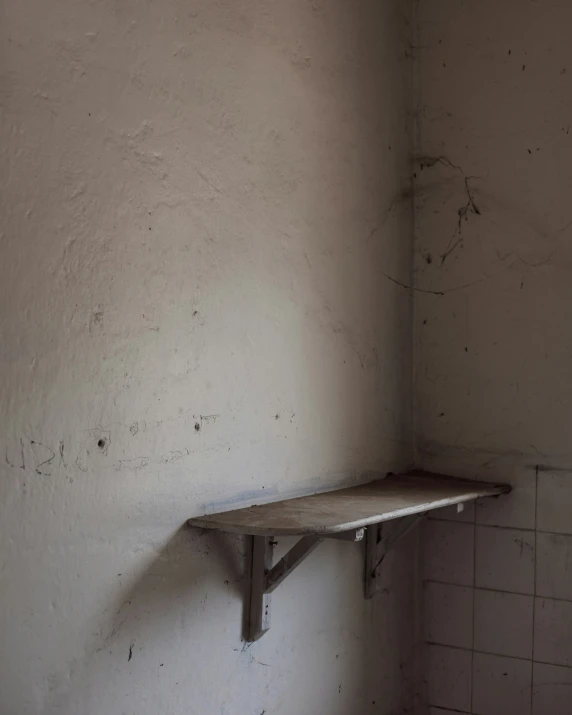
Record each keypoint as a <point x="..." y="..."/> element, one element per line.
<point x="498" y="590"/>
<point x="472" y="689"/>
<point x="499" y="655"/>
<point x="534" y="589"/>
<point x="448" y="710"/>
<point x="504" y="528"/>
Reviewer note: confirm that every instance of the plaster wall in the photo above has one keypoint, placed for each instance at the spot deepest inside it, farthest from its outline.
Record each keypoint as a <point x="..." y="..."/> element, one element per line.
<point x="201" y="204"/>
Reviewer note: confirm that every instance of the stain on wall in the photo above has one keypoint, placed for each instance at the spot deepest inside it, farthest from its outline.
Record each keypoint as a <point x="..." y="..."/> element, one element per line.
<point x="206" y="210"/>
<point x="493" y="348"/>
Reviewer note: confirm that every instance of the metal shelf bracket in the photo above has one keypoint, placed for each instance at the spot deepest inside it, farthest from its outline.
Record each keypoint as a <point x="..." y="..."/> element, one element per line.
<point x="382" y="510"/>
<point x="263" y="578"/>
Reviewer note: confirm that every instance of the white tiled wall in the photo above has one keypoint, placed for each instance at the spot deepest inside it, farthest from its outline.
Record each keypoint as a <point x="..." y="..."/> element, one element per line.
<point x="503" y="623"/>
<point x="498" y="604"/>
<point x="504" y="559"/>
<point x="553" y="631"/>
<point x="449" y="555"/>
<point x="501" y="686"/>
<point x="450" y="677"/>
<point x="449" y="615"/>
<point x="551" y="689"/>
<point x="554" y="566"/>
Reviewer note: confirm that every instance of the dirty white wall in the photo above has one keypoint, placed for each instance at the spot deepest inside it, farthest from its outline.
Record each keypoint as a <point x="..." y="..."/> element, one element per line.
<point x="494" y="348"/>
<point x="201" y="202"/>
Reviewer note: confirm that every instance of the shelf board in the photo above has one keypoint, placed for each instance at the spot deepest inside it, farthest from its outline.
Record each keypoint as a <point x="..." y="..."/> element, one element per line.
<point x="342" y="510"/>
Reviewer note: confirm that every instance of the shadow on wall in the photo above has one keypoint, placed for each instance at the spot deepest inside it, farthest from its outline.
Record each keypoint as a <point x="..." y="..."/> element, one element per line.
<point x="174" y="573"/>
<point x="163" y="603"/>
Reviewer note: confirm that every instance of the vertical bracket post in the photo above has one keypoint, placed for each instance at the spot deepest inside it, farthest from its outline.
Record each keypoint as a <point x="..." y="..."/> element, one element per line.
<point x="265" y="578"/>
<point x="260" y="563"/>
<point x="372" y="550"/>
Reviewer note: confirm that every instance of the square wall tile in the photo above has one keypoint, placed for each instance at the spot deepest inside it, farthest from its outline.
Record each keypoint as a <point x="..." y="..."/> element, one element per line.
<point x="501" y="686"/>
<point x="503" y="623"/>
<point x="555" y="502"/>
<point x="504" y="559"/>
<point x="449" y="552"/>
<point x="554" y="566"/>
<point x="551" y="690"/>
<point x="449" y="615"/>
<point x="517" y="509"/>
<point x="553" y="631"/>
<point x="449" y="678"/>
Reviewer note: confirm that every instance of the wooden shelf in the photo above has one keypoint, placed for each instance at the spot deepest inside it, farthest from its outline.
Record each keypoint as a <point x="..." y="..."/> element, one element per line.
<point x="347" y="514"/>
<point x="352" y="508"/>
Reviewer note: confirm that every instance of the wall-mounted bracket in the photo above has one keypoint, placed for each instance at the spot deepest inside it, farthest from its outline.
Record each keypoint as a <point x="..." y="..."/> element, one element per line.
<point x="343" y="514"/>
<point x="379" y="540"/>
<point x="263" y="577"/>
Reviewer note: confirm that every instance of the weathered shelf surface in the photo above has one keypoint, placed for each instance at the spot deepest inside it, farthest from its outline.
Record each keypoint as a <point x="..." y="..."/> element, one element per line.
<point x="337" y="511"/>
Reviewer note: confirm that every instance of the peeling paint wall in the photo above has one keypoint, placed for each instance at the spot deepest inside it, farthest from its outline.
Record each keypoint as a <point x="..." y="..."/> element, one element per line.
<point x="205" y="208"/>
<point x="493" y="348"/>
